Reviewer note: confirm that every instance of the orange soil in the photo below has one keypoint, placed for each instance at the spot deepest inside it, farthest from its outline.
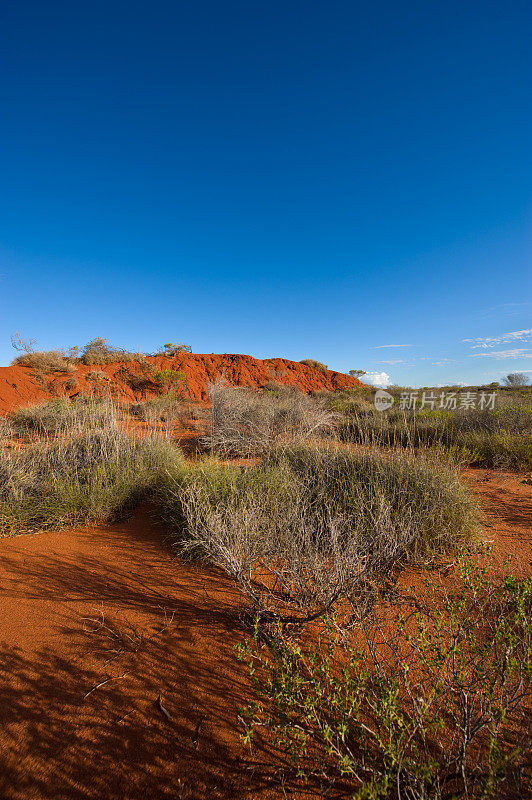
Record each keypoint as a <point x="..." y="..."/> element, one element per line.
<point x="20" y="386"/>
<point x="113" y="604"/>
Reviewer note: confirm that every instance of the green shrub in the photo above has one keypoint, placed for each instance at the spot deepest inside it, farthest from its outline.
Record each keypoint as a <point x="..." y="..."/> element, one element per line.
<point x="166" y="376"/>
<point x="171" y="349"/>
<point x="428" y="701"/>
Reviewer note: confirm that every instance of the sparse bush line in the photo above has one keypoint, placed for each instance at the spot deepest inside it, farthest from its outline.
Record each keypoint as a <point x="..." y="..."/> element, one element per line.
<point x="499" y="439"/>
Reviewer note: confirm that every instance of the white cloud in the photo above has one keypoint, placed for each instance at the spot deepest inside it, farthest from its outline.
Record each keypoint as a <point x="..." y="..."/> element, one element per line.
<point x="376" y="378"/>
<point x="383" y="346"/>
<point x="505" y="371"/>
<point x="391" y="361"/>
<point x="491" y="341"/>
<point x="500" y="354"/>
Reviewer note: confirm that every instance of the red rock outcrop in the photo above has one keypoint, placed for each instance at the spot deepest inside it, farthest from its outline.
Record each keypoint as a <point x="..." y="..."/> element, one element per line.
<point x="128" y="381"/>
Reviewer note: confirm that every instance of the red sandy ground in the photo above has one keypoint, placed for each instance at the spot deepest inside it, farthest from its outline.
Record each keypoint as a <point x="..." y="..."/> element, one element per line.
<point x="85" y="606"/>
<point x="19" y="386"/>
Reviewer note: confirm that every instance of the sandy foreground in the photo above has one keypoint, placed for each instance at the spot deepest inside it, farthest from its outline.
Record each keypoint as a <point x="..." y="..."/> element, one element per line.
<point x="99" y="623"/>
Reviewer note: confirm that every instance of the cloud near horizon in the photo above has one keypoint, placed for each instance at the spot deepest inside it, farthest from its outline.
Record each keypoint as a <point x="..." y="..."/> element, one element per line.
<point x="381" y="379"/>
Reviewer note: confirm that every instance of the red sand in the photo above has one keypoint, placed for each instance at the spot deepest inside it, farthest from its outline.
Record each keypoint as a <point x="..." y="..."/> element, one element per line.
<point x="79" y="608"/>
<point x="20" y="386"/>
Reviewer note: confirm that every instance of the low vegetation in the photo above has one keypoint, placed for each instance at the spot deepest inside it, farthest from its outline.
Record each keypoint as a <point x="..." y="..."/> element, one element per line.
<point x="96" y="352"/>
<point x="500" y="437"/>
<point x="426" y="699"/>
<point x="367" y="689"/>
<point x="307" y="528"/>
<point x="244" y="422"/>
<point x="61" y="417"/>
<point x="99" y="351"/>
<point x="46" y="361"/>
<point x="76" y="465"/>
<point x="165" y="408"/>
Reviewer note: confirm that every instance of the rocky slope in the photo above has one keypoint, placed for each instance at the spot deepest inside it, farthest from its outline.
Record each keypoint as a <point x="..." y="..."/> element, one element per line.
<point x="128" y="381"/>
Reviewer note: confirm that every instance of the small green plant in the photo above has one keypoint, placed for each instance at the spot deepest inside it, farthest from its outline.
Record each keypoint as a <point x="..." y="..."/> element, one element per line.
<point x="428" y="704"/>
<point x="168" y="379"/>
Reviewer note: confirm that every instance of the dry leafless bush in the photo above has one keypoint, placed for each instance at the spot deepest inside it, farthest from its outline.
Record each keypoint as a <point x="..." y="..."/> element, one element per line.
<point x="245" y="422"/>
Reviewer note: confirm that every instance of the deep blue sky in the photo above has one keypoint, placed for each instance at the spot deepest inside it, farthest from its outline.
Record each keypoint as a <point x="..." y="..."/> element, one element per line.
<point x="298" y="179"/>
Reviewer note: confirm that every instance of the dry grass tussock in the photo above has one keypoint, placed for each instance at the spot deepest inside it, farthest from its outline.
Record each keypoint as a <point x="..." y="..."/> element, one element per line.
<point x="500" y="438"/>
<point x="308" y="528"/>
<point x="244" y="422"/>
<point x="76" y="465"/>
<point x="166" y="408"/>
<point x="311" y="362"/>
<point x="46" y="361"/>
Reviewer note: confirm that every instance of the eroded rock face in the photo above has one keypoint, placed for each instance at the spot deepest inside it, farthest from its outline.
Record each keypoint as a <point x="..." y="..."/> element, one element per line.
<point x="21" y="386"/>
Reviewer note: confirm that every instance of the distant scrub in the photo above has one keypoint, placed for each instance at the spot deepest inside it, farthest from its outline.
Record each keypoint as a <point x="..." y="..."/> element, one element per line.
<point x="98" y="351"/>
<point x="500" y="438"/>
<point x="317" y="365"/>
<point x="46" y="361"/>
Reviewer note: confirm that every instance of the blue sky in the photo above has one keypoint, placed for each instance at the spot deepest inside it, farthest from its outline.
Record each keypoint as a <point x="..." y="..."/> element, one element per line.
<point x="344" y="181"/>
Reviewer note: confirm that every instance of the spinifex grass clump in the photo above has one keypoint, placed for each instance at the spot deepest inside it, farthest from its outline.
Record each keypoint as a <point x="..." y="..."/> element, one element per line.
<point x="64" y="417"/>
<point x="490" y="438"/>
<point x="306" y="529"/>
<point x="164" y="408"/>
<point x="426" y="700"/>
<point x="249" y="423"/>
<point x="79" y="466"/>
